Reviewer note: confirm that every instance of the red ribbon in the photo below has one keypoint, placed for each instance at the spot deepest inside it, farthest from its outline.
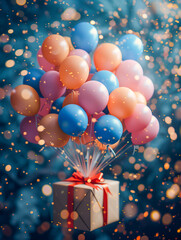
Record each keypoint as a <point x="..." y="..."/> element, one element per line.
<point x="78" y="178"/>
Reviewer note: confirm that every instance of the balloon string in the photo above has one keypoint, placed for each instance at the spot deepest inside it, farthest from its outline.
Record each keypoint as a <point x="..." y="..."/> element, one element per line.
<point x="90" y="134"/>
<point x="105" y="164"/>
<point x="76" y="156"/>
<point x="82" y="156"/>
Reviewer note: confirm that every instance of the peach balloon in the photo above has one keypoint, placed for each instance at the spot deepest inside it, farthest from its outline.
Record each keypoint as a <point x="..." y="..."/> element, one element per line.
<point x="71" y="98"/>
<point x="122" y="102"/>
<point x="25" y="100"/>
<point x="74" y="72"/>
<point x="50" y="131"/>
<point x="140" y="98"/>
<point x="55" y="49"/>
<point x="68" y="40"/>
<point x="107" y="56"/>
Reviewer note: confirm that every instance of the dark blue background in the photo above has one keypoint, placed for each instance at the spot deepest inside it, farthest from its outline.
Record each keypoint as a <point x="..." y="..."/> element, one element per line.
<point x="25" y="212"/>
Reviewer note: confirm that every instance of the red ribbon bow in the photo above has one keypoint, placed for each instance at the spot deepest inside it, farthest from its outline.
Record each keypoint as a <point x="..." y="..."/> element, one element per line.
<point x="78" y="178"/>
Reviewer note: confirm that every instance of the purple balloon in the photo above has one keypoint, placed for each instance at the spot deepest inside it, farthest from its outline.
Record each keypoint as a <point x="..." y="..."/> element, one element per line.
<point x="28" y="129"/>
<point x="43" y="63"/>
<point x="50" y="85"/>
<point x="147" y="134"/>
<point x="93" y="97"/>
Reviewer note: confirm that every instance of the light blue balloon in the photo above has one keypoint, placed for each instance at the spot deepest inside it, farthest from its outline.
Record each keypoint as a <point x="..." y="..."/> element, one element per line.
<point x="85" y="36"/>
<point x="108" y="79"/>
<point x="131" y="47"/>
<point x="33" y="78"/>
<point x="108" y="129"/>
<point x="57" y="105"/>
<point x="73" y="120"/>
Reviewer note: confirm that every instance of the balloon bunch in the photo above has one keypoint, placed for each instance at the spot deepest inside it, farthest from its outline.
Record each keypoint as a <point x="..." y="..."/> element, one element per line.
<point x="70" y="100"/>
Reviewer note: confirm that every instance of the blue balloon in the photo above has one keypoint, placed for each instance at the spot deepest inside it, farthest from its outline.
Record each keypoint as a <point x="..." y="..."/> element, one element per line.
<point x="108" y="79"/>
<point x="57" y="105"/>
<point x="85" y="36"/>
<point x="33" y="78"/>
<point x="108" y="129"/>
<point x="131" y="47"/>
<point x="73" y="120"/>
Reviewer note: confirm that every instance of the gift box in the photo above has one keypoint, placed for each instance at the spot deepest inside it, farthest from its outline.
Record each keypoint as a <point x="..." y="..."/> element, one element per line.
<point x="85" y="207"/>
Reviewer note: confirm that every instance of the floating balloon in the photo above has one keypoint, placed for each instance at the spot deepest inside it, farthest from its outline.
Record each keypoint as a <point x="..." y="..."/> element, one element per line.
<point x="84" y="36"/>
<point x="44" y="107"/>
<point x="33" y="79"/>
<point x="108" y="79"/>
<point x="55" y="49"/>
<point x="73" y="120"/>
<point x="108" y="129"/>
<point x="25" y="100"/>
<point x="139" y="119"/>
<point x="50" y="132"/>
<point x="57" y="105"/>
<point x="28" y="129"/>
<point x="131" y="47"/>
<point x="146" y="87"/>
<point x="91" y="122"/>
<point x="147" y="134"/>
<point x="129" y="74"/>
<point x="122" y="102"/>
<point x="140" y="98"/>
<point x="83" y="54"/>
<point x="71" y="98"/>
<point x="103" y="147"/>
<point x="43" y="63"/>
<point x="68" y="40"/>
<point x="85" y="138"/>
<point x="74" y="71"/>
<point x="50" y="86"/>
<point x="107" y="56"/>
<point x="93" y="97"/>
<point x="90" y="77"/>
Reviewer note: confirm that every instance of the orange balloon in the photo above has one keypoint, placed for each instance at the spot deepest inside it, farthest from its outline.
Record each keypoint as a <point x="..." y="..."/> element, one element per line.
<point x="51" y="133"/>
<point x="55" y="49"/>
<point x="71" y="98"/>
<point x="25" y="100"/>
<point x="85" y="138"/>
<point x="122" y="102"/>
<point x="124" y="126"/>
<point x="140" y="98"/>
<point x="68" y="40"/>
<point x="103" y="146"/>
<point x="74" y="71"/>
<point x="107" y="56"/>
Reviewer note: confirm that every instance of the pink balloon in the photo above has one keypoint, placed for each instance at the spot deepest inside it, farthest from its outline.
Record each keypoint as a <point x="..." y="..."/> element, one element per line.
<point x="43" y="63"/>
<point x="139" y="119"/>
<point x="44" y="107"/>
<point x="147" y="134"/>
<point x="50" y="85"/>
<point x="83" y="54"/>
<point x="146" y="87"/>
<point x="129" y="74"/>
<point x="91" y="122"/>
<point x="28" y="129"/>
<point x="90" y="76"/>
<point x="93" y="97"/>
